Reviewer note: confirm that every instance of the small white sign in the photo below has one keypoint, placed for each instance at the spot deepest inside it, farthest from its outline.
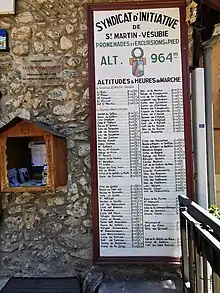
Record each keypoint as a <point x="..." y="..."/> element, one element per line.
<point x="7" y="6"/>
<point x="38" y="154"/>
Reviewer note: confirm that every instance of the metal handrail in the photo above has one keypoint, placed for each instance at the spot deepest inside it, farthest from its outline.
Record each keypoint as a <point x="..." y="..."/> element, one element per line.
<point x="200" y="242"/>
<point x="200" y="214"/>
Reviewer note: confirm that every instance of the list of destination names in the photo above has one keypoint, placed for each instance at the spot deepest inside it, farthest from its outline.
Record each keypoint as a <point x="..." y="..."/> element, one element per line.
<point x="141" y="167"/>
<point x="139" y="133"/>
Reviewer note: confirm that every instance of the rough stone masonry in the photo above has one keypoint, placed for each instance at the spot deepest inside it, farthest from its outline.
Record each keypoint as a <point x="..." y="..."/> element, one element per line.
<point x="49" y="233"/>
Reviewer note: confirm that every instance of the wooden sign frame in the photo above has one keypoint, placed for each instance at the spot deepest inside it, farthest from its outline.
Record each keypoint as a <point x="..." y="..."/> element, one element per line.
<point x="149" y="4"/>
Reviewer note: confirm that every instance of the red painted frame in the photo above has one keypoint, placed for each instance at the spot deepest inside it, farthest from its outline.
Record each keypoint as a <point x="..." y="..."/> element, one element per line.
<point x="187" y="122"/>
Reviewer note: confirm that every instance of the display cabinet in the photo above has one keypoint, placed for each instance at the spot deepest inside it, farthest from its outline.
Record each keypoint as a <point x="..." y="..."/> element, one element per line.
<point x="33" y="157"/>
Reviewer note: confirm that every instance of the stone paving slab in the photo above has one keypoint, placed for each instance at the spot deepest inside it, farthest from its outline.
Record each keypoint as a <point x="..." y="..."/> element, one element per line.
<point x="139" y="286"/>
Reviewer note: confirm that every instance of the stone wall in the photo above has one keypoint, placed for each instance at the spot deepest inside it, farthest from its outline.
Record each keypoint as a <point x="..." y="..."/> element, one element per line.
<point x="49" y="233"/>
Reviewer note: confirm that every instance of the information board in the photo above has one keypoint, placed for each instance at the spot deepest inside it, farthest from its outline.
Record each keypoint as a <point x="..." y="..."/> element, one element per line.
<point x="41" y="70"/>
<point x="7" y="6"/>
<point x="137" y="126"/>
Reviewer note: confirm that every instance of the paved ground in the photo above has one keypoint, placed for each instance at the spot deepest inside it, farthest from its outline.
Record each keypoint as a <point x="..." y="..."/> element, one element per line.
<point x="129" y="286"/>
<point x="132" y="286"/>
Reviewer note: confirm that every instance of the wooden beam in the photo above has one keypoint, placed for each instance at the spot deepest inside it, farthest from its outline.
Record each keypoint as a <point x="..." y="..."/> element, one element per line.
<point x="215" y="4"/>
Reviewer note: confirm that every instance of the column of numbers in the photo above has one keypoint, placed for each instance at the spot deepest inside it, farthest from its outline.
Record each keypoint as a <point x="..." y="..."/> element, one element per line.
<point x="135" y="147"/>
<point x="177" y="103"/>
<point x="133" y="97"/>
<point x="179" y="164"/>
<point x="137" y="216"/>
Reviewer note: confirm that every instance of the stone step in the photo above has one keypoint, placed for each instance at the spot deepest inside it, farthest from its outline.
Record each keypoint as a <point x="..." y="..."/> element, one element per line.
<point x="41" y="285"/>
<point x="3" y="282"/>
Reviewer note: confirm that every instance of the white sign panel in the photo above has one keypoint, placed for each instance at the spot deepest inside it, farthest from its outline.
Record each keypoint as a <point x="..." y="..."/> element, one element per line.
<point x="140" y="131"/>
<point x="7" y="6"/>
